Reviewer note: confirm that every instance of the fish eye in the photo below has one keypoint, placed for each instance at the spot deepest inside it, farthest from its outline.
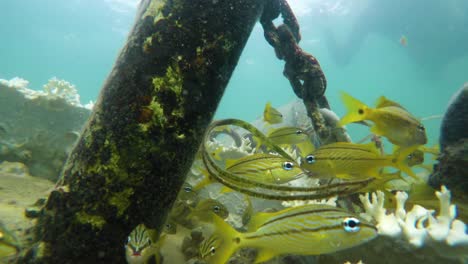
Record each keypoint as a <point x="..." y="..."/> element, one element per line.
<point x="212" y="251"/>
<point x="187" y="189"/>
<point x="351" y="224"/>
<point x="288" y="165"/>
<point x="216" y="209"/>
<point x="298" y="132"/>
<point x="421" y="128"/>
<point x="310" y="159"/>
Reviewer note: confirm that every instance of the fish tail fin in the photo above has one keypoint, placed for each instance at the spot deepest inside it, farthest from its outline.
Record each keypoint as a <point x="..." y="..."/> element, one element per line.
<point x="357" y="110"/>
<point x="230" y="237"/>
<point x="399" y="160"/>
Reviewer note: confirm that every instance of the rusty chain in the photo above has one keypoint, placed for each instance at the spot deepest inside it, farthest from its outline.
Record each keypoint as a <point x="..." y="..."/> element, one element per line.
<point x="301" y="68"/>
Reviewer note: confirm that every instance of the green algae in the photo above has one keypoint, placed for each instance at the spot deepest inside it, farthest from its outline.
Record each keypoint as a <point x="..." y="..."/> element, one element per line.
<point x="121" y="200"/>
<point x="113" y="164"/>
<point x="171" y="81"/>
<point x="96" y="221"/>
<point x="154" y="10"/>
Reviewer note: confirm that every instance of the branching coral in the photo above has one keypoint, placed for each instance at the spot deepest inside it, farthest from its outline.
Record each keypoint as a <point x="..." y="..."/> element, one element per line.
<point x="418" y="226"/>
<point x="230" y="152"/>
<point x="56" y="88"/>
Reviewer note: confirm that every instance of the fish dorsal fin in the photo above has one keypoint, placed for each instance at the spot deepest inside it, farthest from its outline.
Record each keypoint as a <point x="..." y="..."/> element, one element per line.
<point x="267" y="107"/>
<point x="264" y="255"/>
<point x="371" y="147"/>
<point x="384" y="102"/>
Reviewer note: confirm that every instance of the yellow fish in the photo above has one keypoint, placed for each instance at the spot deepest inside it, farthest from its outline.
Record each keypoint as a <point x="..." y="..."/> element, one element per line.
<point x="417" y="156"/>
<point x="267" y="168"/>
<point x="205" y="209"/>
<point x="303" y="230"/>
<point x="287" y="135"/>
<point x="142" y="245"/>
<point x="348" y="160"/>
<point x="271" y="115"/>
<point x="390" y="120"/>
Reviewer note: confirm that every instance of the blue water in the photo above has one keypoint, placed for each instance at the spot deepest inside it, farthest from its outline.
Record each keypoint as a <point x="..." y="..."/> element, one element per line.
<point x="356" y="42"/>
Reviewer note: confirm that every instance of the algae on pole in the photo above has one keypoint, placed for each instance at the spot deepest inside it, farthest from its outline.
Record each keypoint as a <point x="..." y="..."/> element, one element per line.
<point x="146" y="127"/>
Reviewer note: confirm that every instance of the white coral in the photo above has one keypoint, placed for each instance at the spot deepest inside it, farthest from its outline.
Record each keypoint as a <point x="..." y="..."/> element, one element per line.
<point x="230" y="152"/>
<point x="56" y="88"/>
<point x="16" y="82"/>
<point x="330" y="201"/>
<point x="418" y="225"/>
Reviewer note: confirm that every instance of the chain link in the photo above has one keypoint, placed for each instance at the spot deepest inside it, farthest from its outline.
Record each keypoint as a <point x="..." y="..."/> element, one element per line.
<point x="301" y="68"/>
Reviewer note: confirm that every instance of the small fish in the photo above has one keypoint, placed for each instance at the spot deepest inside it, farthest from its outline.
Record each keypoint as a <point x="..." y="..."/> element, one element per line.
<point x="287" y="135"/>
<point x="403" y="40"/>
<point x="303" y="230"/>
<point x="205" y="209"/>
<point x="141" y="245"/>
<point x="266" y="168"/>
<point x="188" y="193"/>
<point x="415" y="158"/>
<point x="348" y="160"/>
<point x="390" y="120"/>
<point x="271" y="115"/>
<point x="170" y="227"/>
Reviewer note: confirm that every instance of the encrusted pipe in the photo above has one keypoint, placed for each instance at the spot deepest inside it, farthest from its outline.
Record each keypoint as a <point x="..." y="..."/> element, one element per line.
<point x="146" y="127"/>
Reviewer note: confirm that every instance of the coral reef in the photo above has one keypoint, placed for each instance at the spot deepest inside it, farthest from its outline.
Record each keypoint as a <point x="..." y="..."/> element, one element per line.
<point x="39" y="128"/>
<point x="419" y="227"/>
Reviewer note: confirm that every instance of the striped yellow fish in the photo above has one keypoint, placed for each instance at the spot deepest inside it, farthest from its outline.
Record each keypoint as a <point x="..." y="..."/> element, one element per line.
<point x="348" y="160"/>
<point x="304" y="230"/>
<point x="271" y="115"/>
<point x="390" y="120"/>
<point x="267" y="168"/>
<point x="287" y="135"/>
<point x="259" y="188"/>
<point x="142" y="245"/>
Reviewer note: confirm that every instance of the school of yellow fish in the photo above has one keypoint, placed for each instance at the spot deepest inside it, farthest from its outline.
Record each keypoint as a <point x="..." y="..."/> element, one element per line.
<point x="280" y="158"/>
